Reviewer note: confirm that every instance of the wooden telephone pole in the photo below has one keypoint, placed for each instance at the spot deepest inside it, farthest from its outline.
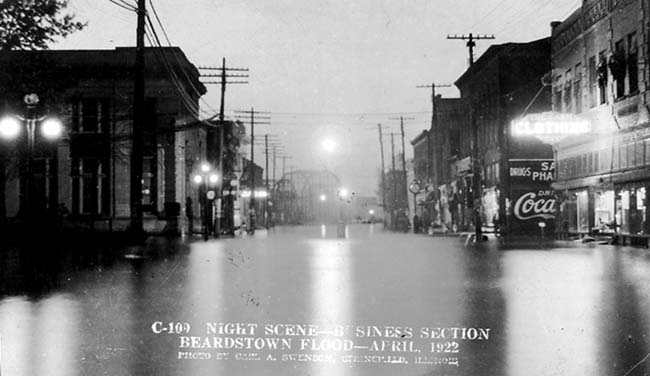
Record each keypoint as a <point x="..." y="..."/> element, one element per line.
<point x="261" y="120"/>
<point x="476" y="166"/>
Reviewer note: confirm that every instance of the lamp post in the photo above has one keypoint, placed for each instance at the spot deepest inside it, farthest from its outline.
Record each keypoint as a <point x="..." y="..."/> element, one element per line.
<point x="207" y="180"/>
<point x="11" y="127"/>
<point x="414" y="188"/>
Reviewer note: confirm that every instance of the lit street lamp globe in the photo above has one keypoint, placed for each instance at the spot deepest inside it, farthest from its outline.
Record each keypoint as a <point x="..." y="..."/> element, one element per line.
<point x="323" y="198"/>
<point x="205" y="167"/>
<point x="197" y="179"/>
<point x="51" y="128"/>
<point x="329" y="145"/>
<point x="9" y="127"/>
<point x="214" y="178"/>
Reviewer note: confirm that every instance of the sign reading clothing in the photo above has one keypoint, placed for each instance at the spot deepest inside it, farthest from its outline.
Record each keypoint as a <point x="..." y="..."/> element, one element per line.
<point x="531" y="193"/>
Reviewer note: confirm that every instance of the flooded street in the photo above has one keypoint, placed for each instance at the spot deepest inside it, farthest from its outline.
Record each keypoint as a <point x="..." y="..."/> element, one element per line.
<point x="404" y="302"/>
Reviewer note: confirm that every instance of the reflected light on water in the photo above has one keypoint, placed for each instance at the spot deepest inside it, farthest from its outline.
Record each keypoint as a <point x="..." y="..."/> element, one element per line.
<point x="16" y="321"/>
<point x="330" y="292"/>
<point x="57" y="336"/>
<point x="551" y="313"/>
<point x="39" y="338"/>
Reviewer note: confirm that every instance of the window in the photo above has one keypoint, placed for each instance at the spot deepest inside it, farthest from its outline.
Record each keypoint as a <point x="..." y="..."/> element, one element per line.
<point x="617" y="67"/>
<point x="593" y="82"/>
<point x="577" y="89"/>
<point x="94" y="115"/>
<point x="632" y="63"/>
<point x="567" y="91"/>
<point x="601" y="71"/>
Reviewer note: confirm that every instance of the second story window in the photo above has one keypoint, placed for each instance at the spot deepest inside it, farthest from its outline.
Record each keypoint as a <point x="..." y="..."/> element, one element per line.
<point x="617" y="67"/>
<point x="577" y="89"/>
<point x="601" y="70"/>
<point x="632" y="63"/>
<point x="593" y="82"/>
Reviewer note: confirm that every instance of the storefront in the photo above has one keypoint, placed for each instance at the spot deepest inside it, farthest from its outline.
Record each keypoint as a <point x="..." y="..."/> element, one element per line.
<point x="530" y="191"/>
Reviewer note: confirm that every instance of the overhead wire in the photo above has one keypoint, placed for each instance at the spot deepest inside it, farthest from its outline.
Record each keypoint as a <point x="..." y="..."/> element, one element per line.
<point x="175" y="80"/>
<point x="121" y="5"/>
<point x="184" y="71"/>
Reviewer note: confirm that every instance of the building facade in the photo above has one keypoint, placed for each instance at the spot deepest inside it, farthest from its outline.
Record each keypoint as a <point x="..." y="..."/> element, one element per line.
<point x="502" y="85"/>
<point x="85" y="175"/>
<point x="600" y="74"/>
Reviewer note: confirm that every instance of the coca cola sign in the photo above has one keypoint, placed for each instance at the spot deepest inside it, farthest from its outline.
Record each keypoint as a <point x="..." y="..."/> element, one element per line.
<point x="535" y="205"/>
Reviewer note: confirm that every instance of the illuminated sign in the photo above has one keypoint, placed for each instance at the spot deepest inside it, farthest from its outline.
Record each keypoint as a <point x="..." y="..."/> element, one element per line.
<point x="550" y="126"/>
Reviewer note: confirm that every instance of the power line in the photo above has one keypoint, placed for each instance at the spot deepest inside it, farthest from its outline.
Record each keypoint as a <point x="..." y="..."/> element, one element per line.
<point x="119" y="4"/>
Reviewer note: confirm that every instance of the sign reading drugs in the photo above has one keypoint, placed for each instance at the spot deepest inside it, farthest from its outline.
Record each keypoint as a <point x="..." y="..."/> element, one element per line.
<point x="532" y="197"/>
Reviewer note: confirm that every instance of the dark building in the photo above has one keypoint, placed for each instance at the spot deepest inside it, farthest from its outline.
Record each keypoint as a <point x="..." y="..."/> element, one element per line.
<point x="87" y="170"/>
<point x="600" y="74"/>
<point x="502" y="85"/>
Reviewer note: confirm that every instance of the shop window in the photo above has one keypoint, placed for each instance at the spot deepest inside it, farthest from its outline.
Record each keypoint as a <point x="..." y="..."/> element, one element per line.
<point x="604" y="210"/>
<point x="590" y="163"/>
<point x="577" y="89"/>
<point x="632" y="63"/>
<point x="593" y="82"/>
<point x="646" y="143"/>
<point x="596" y="165"/>
<point x="90" y="186"/>
<point x="583" y="211"/>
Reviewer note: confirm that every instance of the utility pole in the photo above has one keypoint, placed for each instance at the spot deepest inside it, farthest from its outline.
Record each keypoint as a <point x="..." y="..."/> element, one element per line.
<point x="471" y="43"/>
<point x="251" y="170"/>
<point x="383" y="171"/>
<point x="224" y="75"/>
<point x="137" y="144"/>
<point x="392" y="153"/>
<point x="284" y="163"/>
<point x="434" y="129"/>
<point x="476" y="166"/>
<point x="404" y="177"/>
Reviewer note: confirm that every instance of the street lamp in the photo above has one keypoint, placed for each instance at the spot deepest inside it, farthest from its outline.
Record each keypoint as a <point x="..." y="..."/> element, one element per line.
<point x="11" y="126"/>
<point x="207" y="179"/>
<point x="414" y="188"/>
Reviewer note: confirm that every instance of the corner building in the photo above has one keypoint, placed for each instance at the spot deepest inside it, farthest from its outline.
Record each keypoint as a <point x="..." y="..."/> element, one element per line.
<point x="598" y="56"/>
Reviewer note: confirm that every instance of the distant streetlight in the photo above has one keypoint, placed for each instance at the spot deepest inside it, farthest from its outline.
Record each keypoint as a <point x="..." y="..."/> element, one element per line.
<point x="209" y="180"/>
<point x="329" y="145"/>
<point x="323" y="198"/>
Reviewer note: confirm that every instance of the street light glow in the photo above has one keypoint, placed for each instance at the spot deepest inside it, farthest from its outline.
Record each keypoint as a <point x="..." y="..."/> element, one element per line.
<point x="205" y="167"/>
<point x="9" y="127"/>
<point x="197" y="179"/>
<point x="329" y="145"/>
<point x="323" y="198"/>
<point x="214" y="178"/>
<point x="52" y="128"/>
<point x="343" y="192"/>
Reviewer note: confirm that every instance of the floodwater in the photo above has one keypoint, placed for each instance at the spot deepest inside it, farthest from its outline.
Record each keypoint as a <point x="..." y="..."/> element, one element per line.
<point x="373" y="303"/>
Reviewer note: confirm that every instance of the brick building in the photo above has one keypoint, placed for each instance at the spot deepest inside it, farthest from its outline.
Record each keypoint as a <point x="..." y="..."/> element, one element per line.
<point x="598" y="56"/>
<point x="87" y="171"/>
<point x="495" y="90"/>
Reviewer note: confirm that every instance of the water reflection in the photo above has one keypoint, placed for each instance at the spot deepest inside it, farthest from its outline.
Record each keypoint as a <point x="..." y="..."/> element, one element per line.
<point x="560" y="311"/>
<point x="40" y="338"/>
